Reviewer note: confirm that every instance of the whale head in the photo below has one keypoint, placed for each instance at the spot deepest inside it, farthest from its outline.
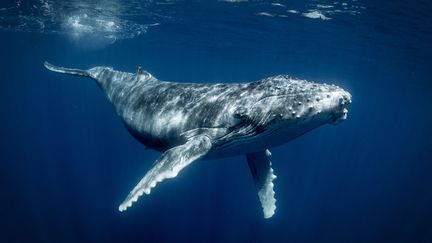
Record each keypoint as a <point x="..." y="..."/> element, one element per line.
<point x="327" y="103"/>
<point x="293" y="106"/>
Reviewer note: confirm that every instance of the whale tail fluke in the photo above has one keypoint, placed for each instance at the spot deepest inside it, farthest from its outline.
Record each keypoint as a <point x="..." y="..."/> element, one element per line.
<point x="71" y="71"/>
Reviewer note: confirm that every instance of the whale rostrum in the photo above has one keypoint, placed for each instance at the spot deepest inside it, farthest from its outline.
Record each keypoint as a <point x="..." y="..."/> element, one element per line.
<point x="187" y="122"/>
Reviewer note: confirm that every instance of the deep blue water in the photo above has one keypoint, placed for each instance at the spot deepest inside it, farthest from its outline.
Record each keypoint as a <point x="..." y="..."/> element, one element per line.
<point x="67" y="162"/>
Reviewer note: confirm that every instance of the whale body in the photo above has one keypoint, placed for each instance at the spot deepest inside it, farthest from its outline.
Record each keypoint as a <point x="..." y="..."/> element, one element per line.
<point x="191" y="121"/>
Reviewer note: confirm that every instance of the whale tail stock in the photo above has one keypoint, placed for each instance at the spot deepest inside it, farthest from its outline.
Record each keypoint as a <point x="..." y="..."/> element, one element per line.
<point x="70" y="71"/>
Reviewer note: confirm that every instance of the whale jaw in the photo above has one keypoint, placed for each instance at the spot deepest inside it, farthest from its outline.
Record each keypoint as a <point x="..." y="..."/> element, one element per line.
<point x="341" y="107"/>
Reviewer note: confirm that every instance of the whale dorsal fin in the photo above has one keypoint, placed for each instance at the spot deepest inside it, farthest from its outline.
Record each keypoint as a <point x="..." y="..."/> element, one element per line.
<point x="141" y="72"/>
<point x="169" y="165"/>
<point x="263" y="176"/>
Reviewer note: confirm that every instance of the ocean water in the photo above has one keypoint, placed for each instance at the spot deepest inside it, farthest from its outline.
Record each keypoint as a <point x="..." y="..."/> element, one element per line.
<point x="67" y="162"/>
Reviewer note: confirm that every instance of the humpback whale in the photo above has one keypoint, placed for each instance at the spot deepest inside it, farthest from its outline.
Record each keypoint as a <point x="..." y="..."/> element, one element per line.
<point x="187" y="122"/>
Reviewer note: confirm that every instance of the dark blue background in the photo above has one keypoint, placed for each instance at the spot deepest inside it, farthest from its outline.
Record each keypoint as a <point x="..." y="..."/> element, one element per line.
<point x="66" y="161"/>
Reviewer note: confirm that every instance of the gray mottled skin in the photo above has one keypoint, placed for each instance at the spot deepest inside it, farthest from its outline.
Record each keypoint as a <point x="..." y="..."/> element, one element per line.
<point x="189" y="121"/>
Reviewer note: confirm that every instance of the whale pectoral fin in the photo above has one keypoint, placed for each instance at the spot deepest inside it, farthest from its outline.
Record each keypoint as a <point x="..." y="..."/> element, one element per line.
<point x="169" y="165"/>
<point x="262" y="173"/>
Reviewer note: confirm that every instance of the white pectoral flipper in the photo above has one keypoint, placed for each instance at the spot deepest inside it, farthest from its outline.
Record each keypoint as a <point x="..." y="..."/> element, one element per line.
<point x="262" y="173"/>
<point x="169" y="165"/>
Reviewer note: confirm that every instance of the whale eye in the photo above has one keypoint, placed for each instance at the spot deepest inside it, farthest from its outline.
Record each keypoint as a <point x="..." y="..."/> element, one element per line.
<point x="240" y="113"/>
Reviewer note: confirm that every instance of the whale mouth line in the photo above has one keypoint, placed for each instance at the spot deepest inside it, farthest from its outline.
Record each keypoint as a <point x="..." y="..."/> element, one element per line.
<point x="342" y="111"/>
<point x="339" y="117"/>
